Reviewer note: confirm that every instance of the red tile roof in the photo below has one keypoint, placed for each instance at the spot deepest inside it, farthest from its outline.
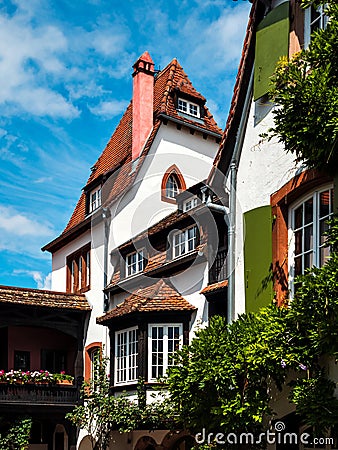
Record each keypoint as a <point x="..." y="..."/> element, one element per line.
<point x="118" y="150"/>
<point x="43" y="298"/>
<point x="215" y="287"/>
<point x="242" y="79"/>
<point x="161" y="296"/>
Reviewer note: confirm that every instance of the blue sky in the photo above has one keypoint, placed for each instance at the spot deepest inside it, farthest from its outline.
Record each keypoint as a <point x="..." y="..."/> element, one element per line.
<point x="65" y="80"/>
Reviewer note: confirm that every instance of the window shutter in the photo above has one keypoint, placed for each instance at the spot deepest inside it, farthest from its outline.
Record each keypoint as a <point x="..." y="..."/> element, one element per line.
<point x="258" y="258"/>
<point x="272" y="42"/>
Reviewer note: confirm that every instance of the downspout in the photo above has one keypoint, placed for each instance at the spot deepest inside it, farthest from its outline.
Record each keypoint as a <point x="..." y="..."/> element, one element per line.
<point x="230" y="215"/>
<point x="106" y="220"/>
<point x="232" y="199"/>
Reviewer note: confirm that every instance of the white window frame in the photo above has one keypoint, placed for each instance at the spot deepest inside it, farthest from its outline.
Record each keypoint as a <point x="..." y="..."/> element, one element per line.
<point x="186" y="107"/>
<point x="165" y="351"/>
<point x="189" y="204"/>
<point x="95" y="199"/>
<point x="138" y="263"/>
<point x="126" y="365"/>
<point x="321" y="20"/>
<point x="315" y="195"/>
<point x="181" y="245"/>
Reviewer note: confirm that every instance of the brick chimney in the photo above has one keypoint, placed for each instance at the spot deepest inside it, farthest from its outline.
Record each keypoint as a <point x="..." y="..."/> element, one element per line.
<point x="143" y="96"/>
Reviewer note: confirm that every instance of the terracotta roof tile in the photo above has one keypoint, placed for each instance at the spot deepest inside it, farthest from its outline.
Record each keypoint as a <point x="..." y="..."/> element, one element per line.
<point x="157" y="297"/>
<point x="43" y="298"/>
<point x="215" y="287"/>
<point x="118" y="149"/>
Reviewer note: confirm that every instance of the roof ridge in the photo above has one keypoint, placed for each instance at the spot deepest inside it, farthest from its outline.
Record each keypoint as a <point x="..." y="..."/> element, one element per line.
<point x="172" y="70"/>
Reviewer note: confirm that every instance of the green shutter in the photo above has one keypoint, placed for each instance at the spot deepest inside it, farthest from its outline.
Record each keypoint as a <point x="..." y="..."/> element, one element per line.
<point x="272" y="42"/>
<point x="258" y="258"/>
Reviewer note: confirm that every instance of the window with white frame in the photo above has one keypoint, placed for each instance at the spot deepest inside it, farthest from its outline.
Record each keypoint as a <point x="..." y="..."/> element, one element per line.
<point x="126" y="352"/>
<point x="163" y="341"/>
<point x="308" y="219"/>
<point x="188" y="107"/>
<point x="314" y="19"/>
<point x="95" y="199"/>
<point x="185" y="241"/>
<point x="190" y="204"/>
<point x="134" y="263"/>
<point x="171" y="187"/>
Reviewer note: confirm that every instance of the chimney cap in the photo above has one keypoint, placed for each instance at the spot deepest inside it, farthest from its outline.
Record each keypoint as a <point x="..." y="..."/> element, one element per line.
<point x="144" y="64"/>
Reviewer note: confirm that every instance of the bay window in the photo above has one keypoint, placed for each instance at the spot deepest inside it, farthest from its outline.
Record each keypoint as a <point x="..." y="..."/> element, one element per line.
<point x="163" y="341"/>
<point x="126" y="355"/>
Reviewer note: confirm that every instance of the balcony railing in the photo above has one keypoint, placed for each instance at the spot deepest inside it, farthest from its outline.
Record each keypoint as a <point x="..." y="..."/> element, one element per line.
<point x="218" y="271"/>
<point x="39" y="394"/>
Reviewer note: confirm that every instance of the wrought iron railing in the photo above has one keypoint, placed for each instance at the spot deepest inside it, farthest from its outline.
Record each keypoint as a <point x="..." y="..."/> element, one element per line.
<point x="39" y="394"/>
<point x="218" y="271"/>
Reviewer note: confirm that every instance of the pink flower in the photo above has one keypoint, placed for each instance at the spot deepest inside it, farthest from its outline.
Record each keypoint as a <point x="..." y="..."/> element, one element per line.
<point x="62" y="372"/>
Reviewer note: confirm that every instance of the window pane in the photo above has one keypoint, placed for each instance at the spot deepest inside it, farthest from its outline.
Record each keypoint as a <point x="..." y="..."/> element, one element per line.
<point x="324" y="204"/>
<point x="299" y="217"/>
<point x="324" y="254"/>
<point x="298" y="242"/>
<point x="308" y="260"/>
<point x="308" y="238"/>
<point x="298" y="266"/>
<point x="308" y="211"/>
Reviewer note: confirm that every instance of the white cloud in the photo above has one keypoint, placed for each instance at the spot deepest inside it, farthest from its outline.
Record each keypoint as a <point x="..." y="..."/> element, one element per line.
<point x="17" y="224"/>
<point x="42" y="281"/>
<point x="44" y="65"/>
<point x="109" y="109"/>
<point x="43" y="180"/>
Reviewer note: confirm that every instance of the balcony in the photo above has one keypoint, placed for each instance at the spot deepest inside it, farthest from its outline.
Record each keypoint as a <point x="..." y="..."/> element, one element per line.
<point x="218" y="271"/>
<point x="38" y="395"/>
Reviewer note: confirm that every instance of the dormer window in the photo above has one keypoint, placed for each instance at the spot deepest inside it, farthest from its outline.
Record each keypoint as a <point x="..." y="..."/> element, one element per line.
<point x="190" y="204"/>
<point x="188" y="107"/>
<point x="135" y="263"/>
<point x="185" y="241"/>
<point x="95" y="199"/>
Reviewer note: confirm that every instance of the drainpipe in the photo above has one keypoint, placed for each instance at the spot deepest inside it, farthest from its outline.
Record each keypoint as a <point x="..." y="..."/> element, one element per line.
<point x="230" y="217"/>
<point x="106" y="219"/>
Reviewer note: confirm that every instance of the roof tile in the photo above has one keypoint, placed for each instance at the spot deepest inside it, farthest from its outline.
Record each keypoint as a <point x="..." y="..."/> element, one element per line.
<point x="43" y="298"/>
<point x="160" y="296"/>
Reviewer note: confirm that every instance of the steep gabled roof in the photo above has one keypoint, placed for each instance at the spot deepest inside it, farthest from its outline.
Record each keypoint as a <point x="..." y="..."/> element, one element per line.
<point x="118" y="152"/>
<point x="160" y="296"/>
<point x="43" y="298"/>
<point x="223" y="155"/>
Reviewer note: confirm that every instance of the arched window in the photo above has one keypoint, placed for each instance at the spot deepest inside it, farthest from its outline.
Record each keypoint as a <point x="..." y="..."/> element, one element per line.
<point x="172" y="184"/>
<point x="171" y="188"/>
<point x="91" y="352"/>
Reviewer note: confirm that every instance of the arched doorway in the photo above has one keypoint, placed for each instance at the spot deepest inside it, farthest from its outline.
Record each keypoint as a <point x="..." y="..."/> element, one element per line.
<point x="60" y="438"/>
<point x="145" y="443"/>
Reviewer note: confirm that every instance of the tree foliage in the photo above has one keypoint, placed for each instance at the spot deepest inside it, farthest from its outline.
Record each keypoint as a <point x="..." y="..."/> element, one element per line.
<point x="306" y="91"/>
<point x="16" y="435"/>
<point x="226" y="378"/>
<point x="101" y="412"/>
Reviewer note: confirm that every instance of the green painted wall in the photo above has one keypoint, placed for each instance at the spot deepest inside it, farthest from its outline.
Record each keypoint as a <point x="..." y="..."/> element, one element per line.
<point x="272" y="42"/>
<point x="258" y="258"/>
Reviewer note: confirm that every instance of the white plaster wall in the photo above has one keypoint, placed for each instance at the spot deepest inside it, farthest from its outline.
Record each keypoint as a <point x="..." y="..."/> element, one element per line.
<point x="141" y="206"/>
<point x="264" y="167"/>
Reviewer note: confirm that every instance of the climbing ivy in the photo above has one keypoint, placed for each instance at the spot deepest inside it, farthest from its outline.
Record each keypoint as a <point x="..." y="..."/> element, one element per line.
<point x="15" y="435"/>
